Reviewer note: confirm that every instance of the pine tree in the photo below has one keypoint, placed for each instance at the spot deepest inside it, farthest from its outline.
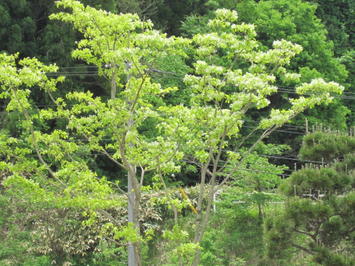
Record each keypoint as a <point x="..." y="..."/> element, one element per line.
<point x="319" y="214"/>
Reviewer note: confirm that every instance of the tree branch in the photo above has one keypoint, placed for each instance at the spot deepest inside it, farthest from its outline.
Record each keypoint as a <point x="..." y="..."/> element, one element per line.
<point x="302" y="248"/>
<point x="103" y="151"/>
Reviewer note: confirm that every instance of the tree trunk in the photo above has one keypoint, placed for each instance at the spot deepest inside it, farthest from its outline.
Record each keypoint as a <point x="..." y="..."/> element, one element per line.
<point x="261" y="213"/>
<point x="202" y="221"/>
<point x="134" y="255"/>
<point x="134" y="258"/>
<point x="201" y="228"/>
<point x="113" y="84"/>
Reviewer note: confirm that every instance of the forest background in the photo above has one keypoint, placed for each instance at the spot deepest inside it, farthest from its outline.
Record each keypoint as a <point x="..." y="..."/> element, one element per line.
<point x="291" y="199"/>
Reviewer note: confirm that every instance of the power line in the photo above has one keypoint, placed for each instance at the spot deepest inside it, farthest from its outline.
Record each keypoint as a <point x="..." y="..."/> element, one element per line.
<point x="291" y="159"/>
<point x="76" y="67"/>
<point x="262" y="171"/>
<point x="153" y="70"/>
<point x="345" y="95"/>
<point x="283" y="131"/>
<point x="342" y="96"/>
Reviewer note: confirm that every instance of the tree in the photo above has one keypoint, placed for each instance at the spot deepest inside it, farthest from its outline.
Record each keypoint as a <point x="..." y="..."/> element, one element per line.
<point x="134" y="106"/>
<point x="294" y="21"/>
<point x="318" y="217"/>
<point x="258" y="178"/>
<point x="231" y="74"/>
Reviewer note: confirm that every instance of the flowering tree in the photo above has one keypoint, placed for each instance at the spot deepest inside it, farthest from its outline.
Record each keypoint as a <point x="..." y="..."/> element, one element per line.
<point x="231" y="75"/>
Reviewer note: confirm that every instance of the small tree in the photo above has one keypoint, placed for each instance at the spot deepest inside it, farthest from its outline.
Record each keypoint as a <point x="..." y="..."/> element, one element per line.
<point x="258" y="178"/>
<point x="318" y="218"/>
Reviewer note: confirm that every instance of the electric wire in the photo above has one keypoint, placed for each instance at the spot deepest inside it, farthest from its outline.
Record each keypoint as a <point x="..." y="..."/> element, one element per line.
<point x="345" y="95"/>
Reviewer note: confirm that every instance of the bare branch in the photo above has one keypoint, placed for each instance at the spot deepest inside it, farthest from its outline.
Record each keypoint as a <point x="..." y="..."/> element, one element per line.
<point x="142" y="175"/>
<point x="103" y="151"/>
<point x="302" y="248"/>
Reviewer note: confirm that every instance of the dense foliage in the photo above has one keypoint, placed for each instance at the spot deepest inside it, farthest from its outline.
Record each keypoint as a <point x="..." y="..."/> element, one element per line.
<point x="318" y="218"/>
<point x="155" y="148"/>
